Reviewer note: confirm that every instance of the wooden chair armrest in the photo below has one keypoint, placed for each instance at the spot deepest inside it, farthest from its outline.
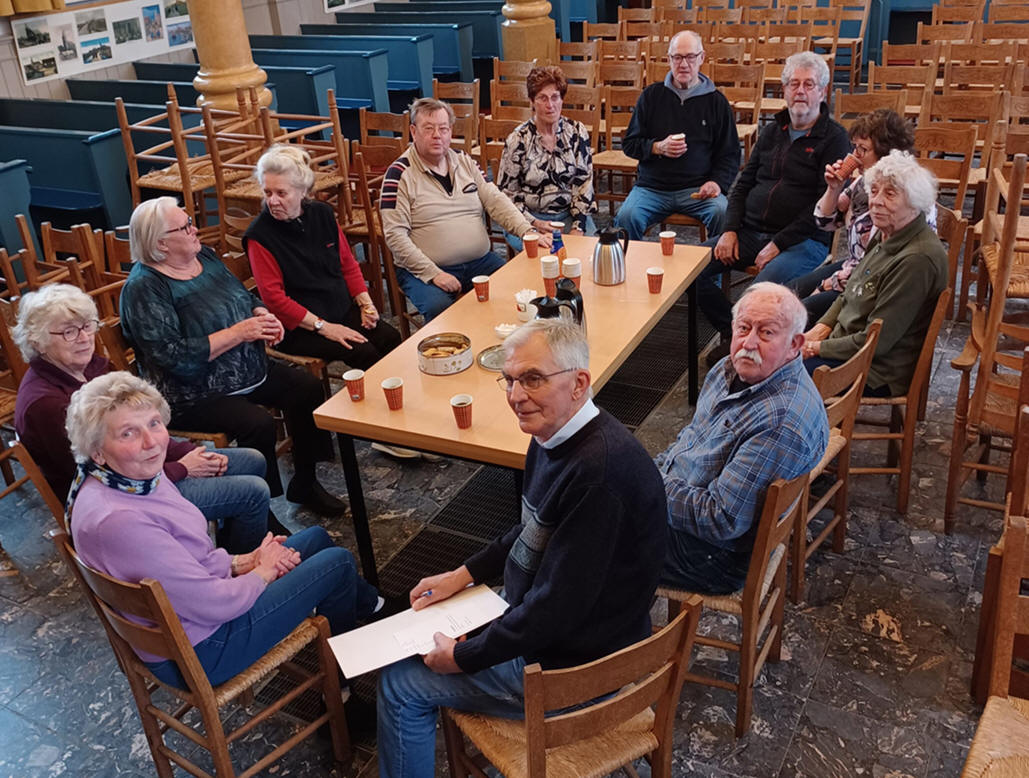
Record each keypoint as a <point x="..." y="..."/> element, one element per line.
<point x="965" y="361"/>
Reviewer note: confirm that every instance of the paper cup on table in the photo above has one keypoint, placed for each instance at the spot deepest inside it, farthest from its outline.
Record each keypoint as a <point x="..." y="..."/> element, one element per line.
<point x="655" y="275"/>
<point x="524" y="309"/>
<point x="572" y="268"/>
<point x="550" y="267"/>
<point x="481" y="284"/>
<point x="461" y="404"/>
<point x="848" y="166"/>
<point x="355" y="384"/>
<point x="531" y="241"/>
<point x="394" y="391"/>
<point x="667" y="242"/>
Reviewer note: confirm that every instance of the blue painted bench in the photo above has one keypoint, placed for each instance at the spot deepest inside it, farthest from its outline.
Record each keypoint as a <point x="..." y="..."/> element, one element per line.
<point x="451" y="43"/>
<point x="409" y="57"/>
<point x="360" y="75"/>
<point x="486" y="42"/>
<point x="560" y="10"/>
<point x="15" y="196"/>
<point x="302" y="90"/>
<point x="141" y="92"/>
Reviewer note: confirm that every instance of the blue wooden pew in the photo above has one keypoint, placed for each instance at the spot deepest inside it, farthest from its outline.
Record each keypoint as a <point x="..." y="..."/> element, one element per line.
<point x="560" y="10"/>
<point x="140" y="92"/>
<point x="409" y="57"/>
<point x="15" y="196"/>
<point x="302" y="90"/>
<point x="361" y="76"/>
<point x="583" y="11"/>
<point x="486" y="42"/>
<point x="451" y="43"/>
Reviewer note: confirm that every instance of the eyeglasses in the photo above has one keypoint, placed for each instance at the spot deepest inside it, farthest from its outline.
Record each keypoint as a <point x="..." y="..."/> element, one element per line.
<point x="554" y="98"/>
<point x="184" y="228"/>
<point x="436" y="129"/>
<point x="860" y="150"/>
<point x="689" y="59"/>
<point x="71" y="332"/>
<point x="530" y="381"/>
<point x="807" y="84"/>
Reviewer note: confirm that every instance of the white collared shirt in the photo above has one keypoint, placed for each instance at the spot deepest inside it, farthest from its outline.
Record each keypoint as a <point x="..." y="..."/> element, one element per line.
<point x="582" y="417"/>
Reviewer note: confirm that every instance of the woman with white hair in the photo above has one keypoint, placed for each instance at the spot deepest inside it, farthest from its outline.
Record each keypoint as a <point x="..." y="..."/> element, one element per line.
<point x="55" y="333"/>
<point x="305" y="272"/>
<point x="129" y="523"/>
<point x="898" y="280"/>
<point x="200" y="336"/>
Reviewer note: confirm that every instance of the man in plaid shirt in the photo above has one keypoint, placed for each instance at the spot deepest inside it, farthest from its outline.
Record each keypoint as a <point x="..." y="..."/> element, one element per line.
<point x="759" y="418"/>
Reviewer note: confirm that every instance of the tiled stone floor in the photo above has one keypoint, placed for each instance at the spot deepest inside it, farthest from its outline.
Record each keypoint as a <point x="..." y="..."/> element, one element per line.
<point x="873" y="682"/>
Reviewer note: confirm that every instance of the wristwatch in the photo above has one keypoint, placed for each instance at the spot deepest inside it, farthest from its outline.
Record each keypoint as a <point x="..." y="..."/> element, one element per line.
<point x="318" y="324"/>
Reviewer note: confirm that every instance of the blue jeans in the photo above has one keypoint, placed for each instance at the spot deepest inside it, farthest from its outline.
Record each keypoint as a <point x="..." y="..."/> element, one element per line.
<point x="815" y="299"/>
<point x="237" y="500"/>
<point x="326" y="580"/>
<point x="429" y="299"/>
<point x="788" y="264"/>
<point x="410" y="694"/>
<point x="698" y="566"/>
<point x="591" y="228"/>
<point x="644" y="207"/>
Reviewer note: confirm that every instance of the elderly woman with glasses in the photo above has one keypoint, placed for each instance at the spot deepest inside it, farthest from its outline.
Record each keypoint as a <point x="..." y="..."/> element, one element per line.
<point x="130" y="523"/>
<point x="547" y="165"/>
<point x="305" y="272"/>
<point x="902" y="274"/>
<point x="55" y="333"/>
<point x="200" y="336"/>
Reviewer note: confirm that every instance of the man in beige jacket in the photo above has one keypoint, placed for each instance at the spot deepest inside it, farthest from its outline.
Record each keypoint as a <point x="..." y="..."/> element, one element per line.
<point x="432" y="214"/>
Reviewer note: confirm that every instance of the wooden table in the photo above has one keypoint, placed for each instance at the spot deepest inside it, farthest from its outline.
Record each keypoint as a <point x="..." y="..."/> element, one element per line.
<point x="617" y="317"/>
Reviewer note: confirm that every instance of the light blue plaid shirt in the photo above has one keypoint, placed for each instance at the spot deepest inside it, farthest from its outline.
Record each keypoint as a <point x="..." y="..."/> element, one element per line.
<point x="718" y="469"/>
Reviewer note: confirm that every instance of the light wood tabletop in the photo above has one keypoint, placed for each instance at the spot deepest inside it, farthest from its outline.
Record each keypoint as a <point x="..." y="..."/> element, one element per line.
<point x="618" y="318"/>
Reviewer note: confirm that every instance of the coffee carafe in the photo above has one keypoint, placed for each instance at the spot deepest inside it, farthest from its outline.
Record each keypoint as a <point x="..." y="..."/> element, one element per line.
<point x="567" y="304"/>
<point x="609" y="257"/>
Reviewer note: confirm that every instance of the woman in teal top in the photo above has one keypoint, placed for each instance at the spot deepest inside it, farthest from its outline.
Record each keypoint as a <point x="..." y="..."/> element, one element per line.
<point x="200" y="336"/>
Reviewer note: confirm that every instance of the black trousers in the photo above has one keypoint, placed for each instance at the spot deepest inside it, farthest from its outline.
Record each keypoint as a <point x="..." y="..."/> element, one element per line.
<point x="382" y="339"/>
<point x="293" y="391"/>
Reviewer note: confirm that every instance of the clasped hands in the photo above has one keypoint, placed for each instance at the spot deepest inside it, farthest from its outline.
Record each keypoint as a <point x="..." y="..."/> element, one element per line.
<point x="261" y="326"/>
<point x="813" y="340"/>
<point x="270" y="560"/>
<point x="727" y="251"/>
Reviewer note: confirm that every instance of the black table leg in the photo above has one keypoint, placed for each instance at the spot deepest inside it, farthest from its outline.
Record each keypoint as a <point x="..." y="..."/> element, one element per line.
<point x="358" y="510"/>
<point x="692" y="350"/>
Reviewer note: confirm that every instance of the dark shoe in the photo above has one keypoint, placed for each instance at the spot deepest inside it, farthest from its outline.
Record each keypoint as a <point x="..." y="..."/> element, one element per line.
<point x="316" y="499"/>
<point x="276" y="527"/>
<point x="361" y="717"/>
<point x="719" y="352"/>
<point x="395" y="603"/>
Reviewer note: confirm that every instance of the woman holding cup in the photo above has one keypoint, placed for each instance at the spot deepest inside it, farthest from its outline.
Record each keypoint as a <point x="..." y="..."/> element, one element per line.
<point x="547" y="165"/>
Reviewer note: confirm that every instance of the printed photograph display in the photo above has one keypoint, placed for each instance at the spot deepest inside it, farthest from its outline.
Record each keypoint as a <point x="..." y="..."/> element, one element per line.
<point x="152" y="23"/>
<point x="126" y="30"/>
<point x="66" y="48"/>
<point x="90" y="22"/>
<point x="179" y="34"/>
<point x="96" y="50"/>
<point x="40" y="66"/>
<point x="174" y="8"/>
<point x="34" y="32"/>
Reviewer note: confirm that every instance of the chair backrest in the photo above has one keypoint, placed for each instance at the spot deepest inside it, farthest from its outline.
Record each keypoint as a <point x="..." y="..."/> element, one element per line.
<point x="1000" y="31"/>
<point x="463" y="96"/>
<point x="572" y="51"/>
<point x="8" y="348"/>
<point x="975" y="53"/>
<point x="1011" y="618"/>
<point x="385" y="129"/>
<point x="511" y="69"/>
<point x="711" y="14"/>
<point x="918" y="81"/>
<point x="836" y="383"/>
<point x="509" y="100"/>
<point x="847" y="107"/>
<point x="927" y="33"/>
<point x="956" y="14"/>
<point x="719" y="53"/>
<point x="619" y="103"/>
<point x="678" y="16"/>
<point x="117" y="251"/>
<point x="925" y="356"/>
<point x="634" y="31"/>
<point x="947" y="152"/>
<point x="117" y="347"/>
<point x="853" y="11"/>
<point x="907" y="54"/>
<point x="1018" y="470"/>
<point x="493" y="134"/>
<point x="1007" y="13"/>
<point x="621" y="73"/>
<point x="648" y="673"/>
<point x="580" y="73"/>
<point x="619" y="49"/>
<point x="584" y="104"/>
<point x="636" y="14"/>
<point x="81" y="242"/>
<point x="958" y="78"/>
<point x="951" y="228"/>
<point x="605" y="31"/>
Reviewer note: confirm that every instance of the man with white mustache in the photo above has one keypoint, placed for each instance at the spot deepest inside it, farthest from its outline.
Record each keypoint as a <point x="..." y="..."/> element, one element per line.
<point x="759" y="418"/>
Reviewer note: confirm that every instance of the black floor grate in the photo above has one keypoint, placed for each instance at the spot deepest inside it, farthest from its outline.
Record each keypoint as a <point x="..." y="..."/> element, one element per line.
<point x="653" y="366"/>
<point x="629" y="404"/>
<point x="428" y="552"/>
<point x="486" y="507"/>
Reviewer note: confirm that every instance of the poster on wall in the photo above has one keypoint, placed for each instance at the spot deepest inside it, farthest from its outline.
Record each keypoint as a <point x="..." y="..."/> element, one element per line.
<point x="66" y="44"/>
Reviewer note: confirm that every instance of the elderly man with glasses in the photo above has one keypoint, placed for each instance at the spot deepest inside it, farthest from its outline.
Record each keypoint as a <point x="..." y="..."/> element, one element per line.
<point x="770" y="221"/>
<point x="579" y="569"/>
<point x="684" y="134"/>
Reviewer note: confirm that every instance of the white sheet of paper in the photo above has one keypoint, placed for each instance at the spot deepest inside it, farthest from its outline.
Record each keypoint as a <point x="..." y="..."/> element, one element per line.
<point x="411" y="632"/>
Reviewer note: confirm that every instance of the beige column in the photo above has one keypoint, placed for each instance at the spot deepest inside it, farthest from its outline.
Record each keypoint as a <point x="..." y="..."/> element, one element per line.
<point x="528" y="31"/>
<point x="226" y="63"/>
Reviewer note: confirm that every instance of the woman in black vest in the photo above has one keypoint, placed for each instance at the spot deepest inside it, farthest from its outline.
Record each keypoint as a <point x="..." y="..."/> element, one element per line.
<point x="305" y="272"/>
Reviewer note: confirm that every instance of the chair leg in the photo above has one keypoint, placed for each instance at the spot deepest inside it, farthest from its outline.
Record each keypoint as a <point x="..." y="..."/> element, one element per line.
<point x="454" y="740"/>
<point x="907" y="453"/>
<point x="745" y="689"/>
<point x="151" y="728"/>
<point x="839" y="535"/>
<point x="333" y="702"/>
<point x="958" y="445"/>
<point x="984" y="441"/>
<point x="799" y="551"/>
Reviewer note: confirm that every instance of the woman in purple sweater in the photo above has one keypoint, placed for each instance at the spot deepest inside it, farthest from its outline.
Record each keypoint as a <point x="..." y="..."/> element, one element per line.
<point x="130" y="523"/>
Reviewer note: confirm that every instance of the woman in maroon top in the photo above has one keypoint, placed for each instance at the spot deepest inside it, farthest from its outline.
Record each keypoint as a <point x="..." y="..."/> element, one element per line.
<point x="305" y="272"/>
<point x="55" y="333"/>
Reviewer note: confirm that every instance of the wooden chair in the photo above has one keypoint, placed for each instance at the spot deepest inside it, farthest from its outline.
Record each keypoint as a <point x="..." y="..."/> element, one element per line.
<point x="904" y="410"/>
<point x="840" y="388"/>
<point x="140" y="616"/>
<point x="639" y="31"/>
<point x="621" y="73"/>
<point x="989" y="32"/>
<point x="509" y="100"/>
<point x="949" y="15"/>
<point x="584" y="104"/>
<point x="572" y="51"/>
<point x="80" y="244"/>
<point x="848" y="107"/>
<point x="612" y="162"/>
<point x="951" y="228"/>
<point x="492" y="139"/>
<point x="825" y="28"/>
<point x="117" y="252"/>
<point x="928" y="33"/>
<point x="975" y="53"/>
<point x="743" y="87"/>
<point x="709" y="14"/>
<point x="947" y="152"/>
<point x="759" y="605"/>
<point x="620" y="49"/>
<point x="601" y="31"/>
<point x="580" y="73"/>
<point x="977" y="78"/>
<point x="385" y="129"/>
<point x="1007" y="13"/>
<point x="678" y="16"/>
<point x="724" y="53"/>
<point x="463" y="96"/>
<point x="595" y="738"/>
<point x="511" y="70"/>
<point x="907" y="54"/>
<point x="636" y="14"/>
<point x="850" y="41"/>
<point x="918" y="81"/>
<point x="1000" y="744"/>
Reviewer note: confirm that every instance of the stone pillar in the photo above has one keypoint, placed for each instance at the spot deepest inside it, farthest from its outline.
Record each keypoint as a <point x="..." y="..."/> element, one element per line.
<point x="528" y="32"/>
<point x="221" y="39"/>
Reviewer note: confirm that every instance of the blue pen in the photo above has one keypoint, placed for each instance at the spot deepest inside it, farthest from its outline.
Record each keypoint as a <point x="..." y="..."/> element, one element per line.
<point x="426" y="593"/>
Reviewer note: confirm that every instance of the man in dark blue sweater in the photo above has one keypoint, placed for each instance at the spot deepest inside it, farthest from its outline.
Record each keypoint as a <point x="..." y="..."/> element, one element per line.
<point x="684" y="134"/>
<point x="579" y="571"/>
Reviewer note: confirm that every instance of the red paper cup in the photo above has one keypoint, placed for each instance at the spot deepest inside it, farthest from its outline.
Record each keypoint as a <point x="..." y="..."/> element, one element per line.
<point x="394" y="391"/>
<point x="847" y="166"/>
<point x="461" y="404"/>
<point x="550" y="286"/>
<point x="667" y="242"/>
<point x="572" y="269"/>
<point x="355" y="384"/>
<point x="655" y="275"/>
<point x="481" y="288"/>
<point x="531" y="241"/>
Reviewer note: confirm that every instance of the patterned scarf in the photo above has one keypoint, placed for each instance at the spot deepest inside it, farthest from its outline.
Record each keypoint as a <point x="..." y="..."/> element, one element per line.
<point x="109" y="478"/>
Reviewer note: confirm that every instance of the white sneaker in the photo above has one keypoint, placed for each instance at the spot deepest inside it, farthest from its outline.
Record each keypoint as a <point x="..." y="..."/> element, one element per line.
<point x="396" y="451"/>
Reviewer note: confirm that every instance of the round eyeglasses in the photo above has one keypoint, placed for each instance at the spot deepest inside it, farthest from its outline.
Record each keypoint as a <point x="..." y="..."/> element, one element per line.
<point x="530" y="381"/>
<point x="71" y="332"/>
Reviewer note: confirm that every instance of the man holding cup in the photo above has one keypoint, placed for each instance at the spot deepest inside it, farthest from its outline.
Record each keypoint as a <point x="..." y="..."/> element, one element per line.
<point x="684" y="134"/>
<point x="580" y="569"/>
<point x="432" y="205"/>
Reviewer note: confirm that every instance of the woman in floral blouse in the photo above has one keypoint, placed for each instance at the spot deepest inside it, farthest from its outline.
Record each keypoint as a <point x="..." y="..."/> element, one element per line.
<point x="547" y="166"/>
